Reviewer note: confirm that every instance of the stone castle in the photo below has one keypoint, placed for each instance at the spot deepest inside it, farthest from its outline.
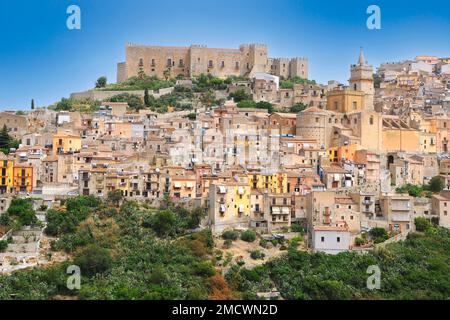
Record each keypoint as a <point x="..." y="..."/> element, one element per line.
<point x="192" y="61"/>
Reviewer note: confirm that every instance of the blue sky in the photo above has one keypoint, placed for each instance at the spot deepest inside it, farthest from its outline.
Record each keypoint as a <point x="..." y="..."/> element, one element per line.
<point x="41" y="59"/>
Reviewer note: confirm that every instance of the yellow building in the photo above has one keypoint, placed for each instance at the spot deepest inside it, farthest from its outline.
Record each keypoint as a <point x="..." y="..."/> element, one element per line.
<point x="120" y="182"/>
<point x="345" y="100"/>
<point x="6" y="174"/>
<point x="23" y="178"/>
<point x="427" y="142"/>
<point x="66" y="142"/>
<point x="275" y="183"/>
<point x="229" y="205"/>
<point x="399" y="136"/>
<point x="333" y="154"/>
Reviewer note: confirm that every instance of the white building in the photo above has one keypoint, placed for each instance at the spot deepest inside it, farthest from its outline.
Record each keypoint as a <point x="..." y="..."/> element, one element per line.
<point x="330" y="239"/>
<point x="268" y="78"/>
<point x="63" y="117"/>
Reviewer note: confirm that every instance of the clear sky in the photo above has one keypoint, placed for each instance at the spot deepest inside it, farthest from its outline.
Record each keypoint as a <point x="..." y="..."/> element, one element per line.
<point x="41" y="59"/>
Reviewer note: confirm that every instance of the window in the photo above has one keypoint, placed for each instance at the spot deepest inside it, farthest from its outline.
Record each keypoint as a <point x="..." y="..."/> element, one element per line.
<point x="210" y="64"/>
<point x="322" y="239"/>
<point x="338" y="239"/>
<point x="355" y="105"/>
<point x="181" y="63"/>
<point x="371" y="120"/>
<point x="153" y="62"/>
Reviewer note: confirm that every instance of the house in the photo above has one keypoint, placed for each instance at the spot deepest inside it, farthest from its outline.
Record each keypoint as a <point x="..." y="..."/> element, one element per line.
<point x="440" y="205"/>
<point x="330" y="239"/>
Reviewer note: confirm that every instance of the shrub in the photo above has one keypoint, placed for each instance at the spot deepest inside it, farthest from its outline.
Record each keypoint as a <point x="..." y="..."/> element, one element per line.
<point x="93" y="260"/>
<point x="263" y="243"/>
<point x="163" y="223"/>
<point x="227" y="243"/>
<point x="297" y="228"/>
<point x="4" y="219"/>
<point x="248" y="236"/>
<point x="359" y="241"/>
<point x="3" y="245"/>
<point x="257" y="254"/>
<point x="230" y="235"/>
<point x="436" y="184"/>
<point x="379" y="235"/>
<point x="422" y="224"/>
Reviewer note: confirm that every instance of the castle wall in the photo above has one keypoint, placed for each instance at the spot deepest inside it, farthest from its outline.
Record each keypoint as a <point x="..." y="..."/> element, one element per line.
<point x="197" y="59"/>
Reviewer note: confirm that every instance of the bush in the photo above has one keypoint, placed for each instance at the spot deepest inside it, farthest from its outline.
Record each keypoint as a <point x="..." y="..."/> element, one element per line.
<point x="23" y="210"/>
<point x="436" y="184"/>
<point x="263" y="243"/>
<point x="230" y="235"/>
<point x="4" y="219"/>
<point x="379" y="235"/>
<point x="257" y="254"/>
<point x="248" y="236"/>
<point x="422" y="224"/>
<point x="163" y="223"/>
<point x="93" y="260"/>
<point x="359" y="241"/>
<point x="227" y="243"/>
<point x="297" y="228"/>
<point x="3" y="245"/>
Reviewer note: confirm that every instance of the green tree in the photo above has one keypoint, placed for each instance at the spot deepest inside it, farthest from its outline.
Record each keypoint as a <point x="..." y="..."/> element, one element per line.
<point x="5" y="140"/>
<point x="436" y="184"/>
<point x="265" y="105"/>
<point x="163" y="222"/>
<point x="166" y="74"/>
<point x="422" y="224"/>
<point x="379" y="235"/>
<point x="101" y="82"/>
<point x="240" y="95"/>
<point x="195" y="217"/>
<point x="296" y="108"/>
<point x="147" y="101"/>
<point x="248" y="236"/>
<point x="208" y="98"/>
<point x="93" y="260"/>
<point x="3" y="245"/>
<point x="134" y="101"/>
<point x="115" y="197"/>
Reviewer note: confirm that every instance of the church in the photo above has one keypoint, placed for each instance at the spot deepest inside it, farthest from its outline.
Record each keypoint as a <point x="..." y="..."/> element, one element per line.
<point x="350" y="118"/>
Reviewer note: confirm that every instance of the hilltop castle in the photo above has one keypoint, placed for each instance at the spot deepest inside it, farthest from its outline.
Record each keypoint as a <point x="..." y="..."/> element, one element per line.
<point x="192" y="61"/>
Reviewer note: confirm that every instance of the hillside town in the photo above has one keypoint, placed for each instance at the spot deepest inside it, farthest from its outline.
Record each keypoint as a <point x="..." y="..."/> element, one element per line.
<point x="251" y="140"/>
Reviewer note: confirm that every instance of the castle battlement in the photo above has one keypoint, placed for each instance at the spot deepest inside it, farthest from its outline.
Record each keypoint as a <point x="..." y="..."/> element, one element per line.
<point x="198" y="59"/>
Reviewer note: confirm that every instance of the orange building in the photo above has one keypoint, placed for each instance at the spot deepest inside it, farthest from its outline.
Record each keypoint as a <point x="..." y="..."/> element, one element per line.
<point x="23" y="178"/>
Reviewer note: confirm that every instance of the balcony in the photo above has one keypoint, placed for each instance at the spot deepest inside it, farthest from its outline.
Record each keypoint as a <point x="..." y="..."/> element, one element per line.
<point x="400" y="217"/>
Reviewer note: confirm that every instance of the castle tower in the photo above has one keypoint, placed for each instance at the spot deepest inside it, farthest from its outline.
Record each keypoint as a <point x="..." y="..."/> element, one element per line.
<point x="361" y="79"/>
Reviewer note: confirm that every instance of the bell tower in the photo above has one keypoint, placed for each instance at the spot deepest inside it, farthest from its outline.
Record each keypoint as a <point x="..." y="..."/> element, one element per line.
<point x="361" y="79"/>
